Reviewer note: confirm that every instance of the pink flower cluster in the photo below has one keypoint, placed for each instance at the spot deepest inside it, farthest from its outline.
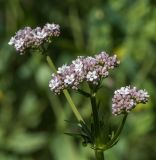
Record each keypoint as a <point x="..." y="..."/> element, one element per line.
<point x="126" y="98"/>
<point x="33" y="38"/>
<point x="90" y="69"/>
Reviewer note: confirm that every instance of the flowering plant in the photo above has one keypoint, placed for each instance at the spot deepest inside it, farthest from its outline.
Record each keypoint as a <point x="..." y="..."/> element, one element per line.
<point x="92" y="71"/>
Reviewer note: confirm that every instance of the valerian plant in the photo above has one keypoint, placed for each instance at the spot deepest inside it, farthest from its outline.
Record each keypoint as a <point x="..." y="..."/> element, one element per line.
<point x="91" y="70"/>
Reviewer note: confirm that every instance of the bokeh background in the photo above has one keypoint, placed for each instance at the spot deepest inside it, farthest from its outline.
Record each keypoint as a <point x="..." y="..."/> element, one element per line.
<point x="32" y="118"/>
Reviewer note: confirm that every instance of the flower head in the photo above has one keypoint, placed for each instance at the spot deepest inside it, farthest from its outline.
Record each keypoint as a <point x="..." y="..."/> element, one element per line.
<point x="78" y="65"/>
<point x="91" y="76"/>
<point x="62" y="69"/>
<point x="69" y="79"/>
<point x="90" y="69"/>
<point x="32" y="38"/>
<point x="126" y="98"/>
<point x="54" y="83"/>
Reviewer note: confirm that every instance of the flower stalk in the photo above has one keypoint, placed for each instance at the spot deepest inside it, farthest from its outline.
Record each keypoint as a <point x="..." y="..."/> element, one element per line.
<point x="95" y="118"/>
<point x="96" y="123"/>
<point x="66" y="93"/>
<point x="118" y="132"/>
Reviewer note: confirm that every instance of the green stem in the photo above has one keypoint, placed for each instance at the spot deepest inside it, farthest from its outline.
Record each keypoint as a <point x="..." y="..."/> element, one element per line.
<point x="72" y="105"/>
<point x="95" y="116"/>
<point x="118" y="132"/>
<point x="66" y="93"/>
<point x="99" y="155"/>
<point x="51" y="64"/>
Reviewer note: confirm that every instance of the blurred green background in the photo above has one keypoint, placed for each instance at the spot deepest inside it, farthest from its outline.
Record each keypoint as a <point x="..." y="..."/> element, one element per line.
<point x="32" y="118"/>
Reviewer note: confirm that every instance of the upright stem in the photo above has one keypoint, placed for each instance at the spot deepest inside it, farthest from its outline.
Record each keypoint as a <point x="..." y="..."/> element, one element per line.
<point x="66" y="93"/>
<point x="95" y="116"/>
<point x="99" y="155"/>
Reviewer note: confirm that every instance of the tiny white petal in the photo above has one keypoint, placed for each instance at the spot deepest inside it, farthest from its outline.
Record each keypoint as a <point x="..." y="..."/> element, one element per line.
<point x="69" y="79"/>
<point x="19" y="43"/>
<point x="62" y="69"/>
<point x="91" y="76"/>
<point x="11" y="42"/>
<point x="54" y="83"/>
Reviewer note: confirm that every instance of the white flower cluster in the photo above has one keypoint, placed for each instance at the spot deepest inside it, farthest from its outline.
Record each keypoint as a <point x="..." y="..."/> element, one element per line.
<point x="33" y="38"/>
<point x="90" y="69"/>
<point x="126" y="98"/>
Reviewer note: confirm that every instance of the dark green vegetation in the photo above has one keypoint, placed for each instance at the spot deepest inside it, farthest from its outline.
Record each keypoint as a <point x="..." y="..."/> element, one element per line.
<point x="32" y="118"/>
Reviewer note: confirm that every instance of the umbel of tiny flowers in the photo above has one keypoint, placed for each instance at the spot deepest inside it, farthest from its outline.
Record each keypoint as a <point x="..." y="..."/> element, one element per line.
<point x="89" y="69"/>
<point x="29" y="38"/>
<point x="126" y="98"/>
<point x="123" y="101"/>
